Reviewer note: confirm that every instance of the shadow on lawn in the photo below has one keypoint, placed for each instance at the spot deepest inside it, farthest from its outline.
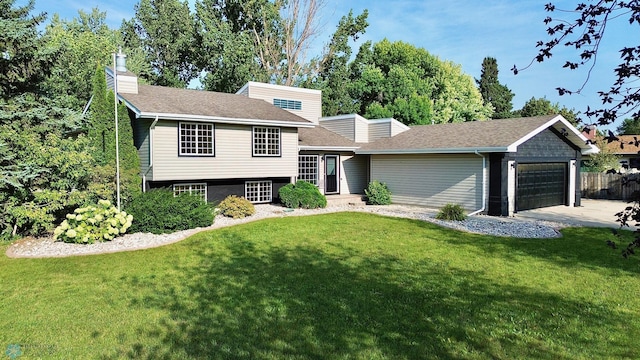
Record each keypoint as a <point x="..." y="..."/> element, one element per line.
<point x="578" y="247"/>
<point x="300" y="302"/>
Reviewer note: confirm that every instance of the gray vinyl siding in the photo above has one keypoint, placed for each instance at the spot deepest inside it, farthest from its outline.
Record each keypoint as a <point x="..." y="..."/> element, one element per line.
<point x="233" y="155"/>
<point x="354" y="175"/>
<point x="431" y="180"/>
<point x="397" y="128"/>
<point x="126" y="84"/>
<point x="142" y="143"/>
<point x="361" y="130"/>
<point x="344" y="127"/>
<point x="245" y="91"/>
<point x="311" y="102"/>
<point x="379" y="130"/>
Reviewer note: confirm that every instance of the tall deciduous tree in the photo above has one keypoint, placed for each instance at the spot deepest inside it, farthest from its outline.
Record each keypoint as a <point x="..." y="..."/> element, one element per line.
<point x="397" y="79"/>
<point x="542" y="106"/>
<point x="333" y="69"/>
<point x="492" y="91"/>
<point x="165" y="29"/>
<point x="24" y="60"/>
<point x="85" y="42"/>
<point x="585" y="33"/>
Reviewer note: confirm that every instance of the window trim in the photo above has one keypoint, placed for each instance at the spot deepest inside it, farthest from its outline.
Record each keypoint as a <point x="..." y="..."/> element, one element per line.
<point x="259" y="200"/>
<point x="198" y="125"/>
<point x="267" y="129"/>
<point x="191" y="190"/>
<point x="316" y="181"/>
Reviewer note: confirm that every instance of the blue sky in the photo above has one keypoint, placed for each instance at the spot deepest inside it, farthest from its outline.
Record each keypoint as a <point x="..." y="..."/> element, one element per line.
<point x="462" y="31"/>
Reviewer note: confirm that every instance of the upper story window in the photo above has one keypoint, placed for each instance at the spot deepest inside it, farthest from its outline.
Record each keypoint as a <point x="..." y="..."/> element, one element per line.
<point x="196" y="139"/>
<point x="288" y="104"/>
<point x="266" y="141"/>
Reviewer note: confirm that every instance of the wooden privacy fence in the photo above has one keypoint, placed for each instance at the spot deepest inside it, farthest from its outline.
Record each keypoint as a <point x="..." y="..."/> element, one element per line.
<point x="609" y="186"/>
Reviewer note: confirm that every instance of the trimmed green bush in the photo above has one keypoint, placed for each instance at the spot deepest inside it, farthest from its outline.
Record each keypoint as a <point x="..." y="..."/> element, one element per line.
<point x="378" y="193"/>
<point x="236" y="207"/>
<point x="453" y="212"/>
<point x="89" y="224"/>
<point x="302" y="194"/>
<point x="158" y="211"/>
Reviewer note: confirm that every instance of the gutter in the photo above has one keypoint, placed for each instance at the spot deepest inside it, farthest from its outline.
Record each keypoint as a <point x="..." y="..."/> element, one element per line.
<point x="144" y="176"/>
<point x="484" y="184"/>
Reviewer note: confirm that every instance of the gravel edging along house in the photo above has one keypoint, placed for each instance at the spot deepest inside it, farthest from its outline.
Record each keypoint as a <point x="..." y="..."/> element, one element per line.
<point x="490" y="225"/>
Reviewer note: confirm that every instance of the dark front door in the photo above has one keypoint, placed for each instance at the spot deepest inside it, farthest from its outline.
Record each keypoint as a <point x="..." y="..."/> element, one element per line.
<point x="331" y="174"/>
<point x="541" y="185"/>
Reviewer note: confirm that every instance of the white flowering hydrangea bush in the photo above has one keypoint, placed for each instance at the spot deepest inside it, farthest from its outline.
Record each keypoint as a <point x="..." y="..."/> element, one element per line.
<point x="86" y="225"/>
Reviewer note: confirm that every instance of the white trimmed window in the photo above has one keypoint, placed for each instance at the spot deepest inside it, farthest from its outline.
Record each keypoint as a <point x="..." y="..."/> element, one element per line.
<point x="193" y="189"/>
<point x="288" y="104"/>
<point x="258" y="191"/>
<point x="196" y="139"/>
<point x="308" y="168"/>
<point x="266" y="141"/>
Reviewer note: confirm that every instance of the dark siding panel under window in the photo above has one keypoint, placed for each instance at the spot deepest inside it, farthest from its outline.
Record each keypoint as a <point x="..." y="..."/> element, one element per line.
<point x="217" y="190"/>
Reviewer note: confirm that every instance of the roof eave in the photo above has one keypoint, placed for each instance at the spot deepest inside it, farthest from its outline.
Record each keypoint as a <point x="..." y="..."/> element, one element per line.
<point x="435" y="151"/>
<point x="218" y="119"/>
<point x="327" y="148"/>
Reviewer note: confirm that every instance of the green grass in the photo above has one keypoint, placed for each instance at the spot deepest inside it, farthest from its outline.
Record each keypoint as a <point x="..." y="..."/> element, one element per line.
<point x="336" y="286"/>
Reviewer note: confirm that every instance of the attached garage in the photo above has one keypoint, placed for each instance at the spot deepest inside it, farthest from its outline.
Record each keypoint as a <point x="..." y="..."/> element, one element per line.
<point x="431" y="180"/>
<point x="498" y="167"/>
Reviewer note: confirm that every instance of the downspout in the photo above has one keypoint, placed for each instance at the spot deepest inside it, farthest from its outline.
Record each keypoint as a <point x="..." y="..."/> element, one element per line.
<point x="484" y="184"/>
<point x="144" y="176"/>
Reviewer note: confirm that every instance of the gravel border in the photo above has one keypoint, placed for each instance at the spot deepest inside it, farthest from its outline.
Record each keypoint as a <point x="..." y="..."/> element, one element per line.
<point x="498" y="226"/>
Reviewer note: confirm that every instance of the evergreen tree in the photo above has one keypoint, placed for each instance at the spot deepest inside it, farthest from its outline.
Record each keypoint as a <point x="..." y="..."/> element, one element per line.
<point x="24" y="60"/>
<point x="494" y="93"/>
<point x="102" y="136"/>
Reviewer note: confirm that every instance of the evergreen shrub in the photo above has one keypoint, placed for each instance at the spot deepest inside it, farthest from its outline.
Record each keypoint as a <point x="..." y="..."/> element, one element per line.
<point x="302" y="194"/>
<point x="236" y="207"/>
<point x="453" y="212"/>
<point x="158" y="211"/>
<point x="378" y="193"/>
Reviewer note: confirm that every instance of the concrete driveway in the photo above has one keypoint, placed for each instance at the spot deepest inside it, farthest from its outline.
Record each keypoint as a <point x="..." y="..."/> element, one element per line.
<point x="593" y="213"/>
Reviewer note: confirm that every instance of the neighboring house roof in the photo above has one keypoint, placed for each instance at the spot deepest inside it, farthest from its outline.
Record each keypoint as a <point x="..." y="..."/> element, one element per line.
<point x="483" y="136"/>
<point x="187" y="104"/>
<point x="319" y="138"/>
<point x="627" y="145"/>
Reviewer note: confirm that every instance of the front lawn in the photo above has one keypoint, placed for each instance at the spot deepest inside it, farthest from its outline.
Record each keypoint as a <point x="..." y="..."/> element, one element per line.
<point x="335" y="286"/>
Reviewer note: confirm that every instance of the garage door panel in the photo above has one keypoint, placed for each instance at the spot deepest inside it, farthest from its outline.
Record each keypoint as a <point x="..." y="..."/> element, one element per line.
<point x="541" y="185"/>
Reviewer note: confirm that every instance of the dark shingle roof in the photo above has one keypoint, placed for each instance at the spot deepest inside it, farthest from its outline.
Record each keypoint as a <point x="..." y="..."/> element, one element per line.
<point x="492" y="134"/>
<point x="166" y="100"/>
<point x="321" y="137"/>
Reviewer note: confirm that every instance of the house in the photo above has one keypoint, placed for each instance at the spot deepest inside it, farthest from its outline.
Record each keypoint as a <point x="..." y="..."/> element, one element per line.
<point x="265" y="136"/>
<point x="627" y="147"/>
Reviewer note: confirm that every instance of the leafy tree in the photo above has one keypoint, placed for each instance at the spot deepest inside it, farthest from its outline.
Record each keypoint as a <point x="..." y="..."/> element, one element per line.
<point x="257" y="40"/>
<point x="226" y="47"/>
<point x="333" y="73"/>
<point x="85" y="41"/>
<point x="492" y="91"/>
<point x="397" y="79"/>
<point x="606" y="159"/>
<point x="542" y="106"/>
<point x="39" y="185"/>
<point x="165" y="29"/>
<point x="24" y="60"/>
<point x="629" y="127"/>
<point x="584" y="33"/>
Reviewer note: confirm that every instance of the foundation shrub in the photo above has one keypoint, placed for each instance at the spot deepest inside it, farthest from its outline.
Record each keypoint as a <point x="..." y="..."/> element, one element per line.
<point x="302" y="194"/>
<point x="158" y="211"/>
